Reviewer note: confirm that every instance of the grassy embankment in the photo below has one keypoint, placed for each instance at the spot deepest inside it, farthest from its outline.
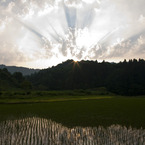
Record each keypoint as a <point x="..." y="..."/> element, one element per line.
<point x="14" y="97"/>
<point x="74" y="108"/>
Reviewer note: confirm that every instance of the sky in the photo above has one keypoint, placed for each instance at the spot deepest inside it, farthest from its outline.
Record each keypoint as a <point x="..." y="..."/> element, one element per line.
<point x="43" y="33"/>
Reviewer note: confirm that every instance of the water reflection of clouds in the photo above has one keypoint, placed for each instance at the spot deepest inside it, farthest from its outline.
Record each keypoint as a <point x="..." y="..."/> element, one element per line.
<point x="38" y="131"/>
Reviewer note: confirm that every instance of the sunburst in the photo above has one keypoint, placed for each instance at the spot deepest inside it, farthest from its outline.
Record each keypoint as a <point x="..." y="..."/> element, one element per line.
<point x="76" y="64"/>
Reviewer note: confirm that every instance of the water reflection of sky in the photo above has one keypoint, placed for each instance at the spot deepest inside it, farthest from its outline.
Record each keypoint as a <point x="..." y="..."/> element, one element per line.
<point x="39" y="131"/>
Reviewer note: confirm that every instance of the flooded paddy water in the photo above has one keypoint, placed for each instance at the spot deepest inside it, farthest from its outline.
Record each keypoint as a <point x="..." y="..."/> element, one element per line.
<point x="89" y="122"/>
<point x="40" y="131"/>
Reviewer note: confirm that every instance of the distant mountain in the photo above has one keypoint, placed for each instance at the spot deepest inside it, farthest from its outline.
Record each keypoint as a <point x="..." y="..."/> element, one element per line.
<point x="25" y="71"/>
<point x="124" y="78"/>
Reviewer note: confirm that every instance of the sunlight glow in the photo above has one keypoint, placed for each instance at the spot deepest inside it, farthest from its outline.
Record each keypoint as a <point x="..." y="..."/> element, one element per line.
<point x="48" y="32"/>
<point x="75" y="61"/>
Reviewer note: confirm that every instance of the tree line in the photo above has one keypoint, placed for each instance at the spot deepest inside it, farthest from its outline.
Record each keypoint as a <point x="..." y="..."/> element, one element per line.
<point x="15" y="81"/>
<point x="124" y="78"/>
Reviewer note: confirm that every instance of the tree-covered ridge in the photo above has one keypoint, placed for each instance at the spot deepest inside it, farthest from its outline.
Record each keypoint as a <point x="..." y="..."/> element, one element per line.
<point x="13" y="81"/>
<point x="25" y="71"/>
<point x="124" y="78"/>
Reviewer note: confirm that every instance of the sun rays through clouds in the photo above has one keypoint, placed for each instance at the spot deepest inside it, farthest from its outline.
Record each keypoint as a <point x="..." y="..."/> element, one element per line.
<point x="47" y="32"/>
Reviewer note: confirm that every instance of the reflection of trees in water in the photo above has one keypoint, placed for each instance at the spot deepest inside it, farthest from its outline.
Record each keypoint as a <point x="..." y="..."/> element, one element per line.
<point x="38" y="131"/>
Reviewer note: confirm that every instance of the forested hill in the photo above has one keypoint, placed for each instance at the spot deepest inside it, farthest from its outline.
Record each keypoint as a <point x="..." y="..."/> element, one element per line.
<point x="125" y="78"/>
<point x="25" y="71"/>
<point x="15" y="81"/>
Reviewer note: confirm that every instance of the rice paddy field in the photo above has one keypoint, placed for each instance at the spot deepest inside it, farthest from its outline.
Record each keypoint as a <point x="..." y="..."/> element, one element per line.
<point x="40" y="131"/>
<point x="72" y="119"/>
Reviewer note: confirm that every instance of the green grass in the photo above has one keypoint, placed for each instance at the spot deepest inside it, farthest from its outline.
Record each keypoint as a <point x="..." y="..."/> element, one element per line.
<point x="83" y="110"/>
<point x="51" y="99"/>
<point x="50" y="96"/>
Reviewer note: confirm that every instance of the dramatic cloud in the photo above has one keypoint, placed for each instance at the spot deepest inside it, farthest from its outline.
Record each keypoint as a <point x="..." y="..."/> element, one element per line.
<point x="42" y="33"/>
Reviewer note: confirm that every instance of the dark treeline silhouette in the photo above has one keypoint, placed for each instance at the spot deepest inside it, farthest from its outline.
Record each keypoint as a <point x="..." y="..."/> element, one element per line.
<point x="124" y="78"/>
<point x="13" y="81"/>
<point x="25" y="71"/>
